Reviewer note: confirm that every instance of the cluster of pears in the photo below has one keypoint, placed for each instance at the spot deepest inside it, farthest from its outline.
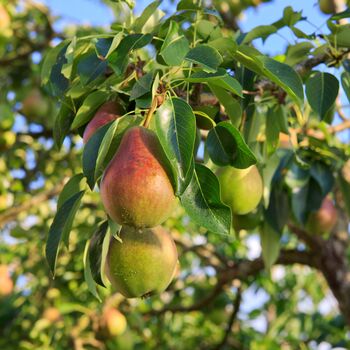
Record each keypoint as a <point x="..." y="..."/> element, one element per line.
<point x="137" y="193"/>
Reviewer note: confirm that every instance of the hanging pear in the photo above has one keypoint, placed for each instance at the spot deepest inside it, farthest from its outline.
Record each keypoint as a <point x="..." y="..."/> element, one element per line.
<point x="135" y="188"/>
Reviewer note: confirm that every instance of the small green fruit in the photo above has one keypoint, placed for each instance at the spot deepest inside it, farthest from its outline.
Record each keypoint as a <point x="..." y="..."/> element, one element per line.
<point x="246" y="222"/>
<point x="114" y="322"/>
<point x="142" y="264"/>
<point x="241" y="189"/>
<point x="327" y="6"/>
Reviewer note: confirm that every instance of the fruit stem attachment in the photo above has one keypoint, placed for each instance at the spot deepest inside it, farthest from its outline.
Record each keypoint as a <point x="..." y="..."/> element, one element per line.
<point x="150" y="112"/>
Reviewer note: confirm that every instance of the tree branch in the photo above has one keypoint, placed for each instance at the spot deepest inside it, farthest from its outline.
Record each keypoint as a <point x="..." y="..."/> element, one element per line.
<point x="12" y="213"/>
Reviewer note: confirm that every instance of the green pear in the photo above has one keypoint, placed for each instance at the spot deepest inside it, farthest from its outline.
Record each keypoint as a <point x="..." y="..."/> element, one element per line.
<point x="241" y="189"/>
<point x="143" y="263"/>
<point x="327" y="6"/>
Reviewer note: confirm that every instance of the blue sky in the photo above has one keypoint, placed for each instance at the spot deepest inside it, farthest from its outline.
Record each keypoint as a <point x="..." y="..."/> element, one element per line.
<point x="96" y="13"/>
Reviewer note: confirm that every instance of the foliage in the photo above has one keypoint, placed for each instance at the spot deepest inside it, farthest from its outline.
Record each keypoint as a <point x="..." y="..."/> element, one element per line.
<point x="213" y="100"/>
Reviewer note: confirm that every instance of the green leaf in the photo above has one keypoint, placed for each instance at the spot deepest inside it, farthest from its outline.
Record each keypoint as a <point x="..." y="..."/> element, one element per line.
<point x="229" y="83"/>
<point x="284" y="76"/>
<point x="344" y="186"/>
<point x="87" y="273"/>
<point x="262" y="31"/>
<point x="202" y="202"/>
<point x="204" y="77"/>
<point x="270" y="245"/>
<point x="298" y="52"/>
<point x="176" y="130"/>
<point x="90" y="67"/>
<point x="118" y="59"/>
<point x="95" y="252"/>
<point x="231" y="105"/>
<point x="68" y="67"/>
<point x="90" y="105"/>
<point x="206" y="56"/>
<point x="226" y="146"/>
<point x="73" y="186"/>
<point x="50" y="61"/>
<point x="272" y="130"/>
<point x="63" y="122"/>
<point x="341" y="36"/>
<point x="90" y="153"/>
<point x="226" y="47"/>
<point x="142" y="86"/>
<point x="345" y="81"/>
<point x="321" y="91"/>
<point x="115" y="43"/>
<point x="61" y="227"/>
<point x="175" y="46"/>
<point x="145" y="16"/>
<point x="341" y="15"/>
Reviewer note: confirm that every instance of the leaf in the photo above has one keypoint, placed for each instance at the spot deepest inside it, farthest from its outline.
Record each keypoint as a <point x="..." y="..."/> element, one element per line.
<point x="176" y="130"/>
<point x="90" y="67"/>
<point x="69" y="55"/>
<point x="345" y="81"/>
<point x="87" y="273"/>
<point x="298" y="52"/>
<point x="145" y="16"/>
<point x="231" y="105"/>
<point x="341" y="15"/>
<point x="262" y="31"/>
<point x="115" y="43"/>
<point x="270" y="245"/>
<point x="202" y="202"/>
<point x="226" y="47"/>
<point x="226" y="146"/>
<point x="90" y="154"/>
<point x="284" y="76"/>
<point x="206" y="56"/>
<point x="321" y="91"/>
<point x="344" y="186"/>
<point x="90" y="105"/>
<point x="277" y="213"/>
<point x="272" y="131"/>
<point x="50" y="60"/>
<point x="95" y="252"/>
<point x="118" y="59"/>
<point x="175" y="46"/>
<point x="61" y="227"/>
<point x="63" y="122"/>
<point x="204" y="77"/>
<point x="142" y="86"/>
<point x="341" y="37"/>
<point x="72" y="187"/>
<point x="228" y="83"/>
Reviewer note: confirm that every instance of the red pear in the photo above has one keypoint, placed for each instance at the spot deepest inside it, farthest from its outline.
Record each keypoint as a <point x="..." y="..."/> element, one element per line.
<point x="324" y="219"/>
<point x="108" y="112"/>
<point x="135" y="188"/>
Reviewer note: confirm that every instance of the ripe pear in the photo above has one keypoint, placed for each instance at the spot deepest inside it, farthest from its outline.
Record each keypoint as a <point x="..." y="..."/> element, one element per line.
<point x="241" y="189"/>
<point x="35" y="107"/>
<point x="135" y="188"/>
<point x="108" y="112"/>
<point x="324" y="219"/>
<point x="143" y="264"/>
<point x="113" y="322"/>
<point x="6" y="283"/>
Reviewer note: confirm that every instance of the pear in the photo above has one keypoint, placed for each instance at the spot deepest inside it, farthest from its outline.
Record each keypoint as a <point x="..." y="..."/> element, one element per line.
<point x="113" y="322"/>
<point x="241" y="189"/>
<point x="143" y="263"/>
<point x="108" y="112"/>
<point x="324" y="219"/>
<point x="135" y="188"/>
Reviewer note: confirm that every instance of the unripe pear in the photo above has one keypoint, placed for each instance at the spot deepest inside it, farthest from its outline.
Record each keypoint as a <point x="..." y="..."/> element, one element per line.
<point x="241" y="189"/>
<point x="114" y="322"/>
<point x="246" y="222"/>
<point x="108" y="112"/>
<point x="327" y="6"/>
<point x="135" y="188"/>
<point x="324" y="219"/>
<point x="143" y="264"/>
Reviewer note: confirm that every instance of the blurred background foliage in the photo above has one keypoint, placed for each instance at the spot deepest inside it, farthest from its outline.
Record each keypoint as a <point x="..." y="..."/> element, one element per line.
<point x="290" y="308"/>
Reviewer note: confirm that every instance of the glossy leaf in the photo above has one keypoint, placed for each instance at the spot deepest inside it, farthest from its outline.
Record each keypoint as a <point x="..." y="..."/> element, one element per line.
<point x="60" y="228"/>
<point x="322" y="91"/>
<point x="88" y="274"/>
<point x="142" y="86"/>
<point x="226" y="146"/>
<point x="205" y="56"/>
<point x="202" y="202"/>
<point x="176" y="129"/>
<point x="73" y="186"/>
<point x="270" y="245"/>
<point x="145" y="16"/>
<point x="345" y="81"/>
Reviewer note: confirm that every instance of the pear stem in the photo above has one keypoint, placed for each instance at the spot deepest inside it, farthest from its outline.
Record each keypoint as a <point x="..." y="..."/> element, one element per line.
<point x="150" y="112"/>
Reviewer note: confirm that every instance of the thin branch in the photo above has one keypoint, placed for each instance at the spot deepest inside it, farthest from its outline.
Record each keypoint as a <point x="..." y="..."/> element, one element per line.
<point x="231" y="320"/>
